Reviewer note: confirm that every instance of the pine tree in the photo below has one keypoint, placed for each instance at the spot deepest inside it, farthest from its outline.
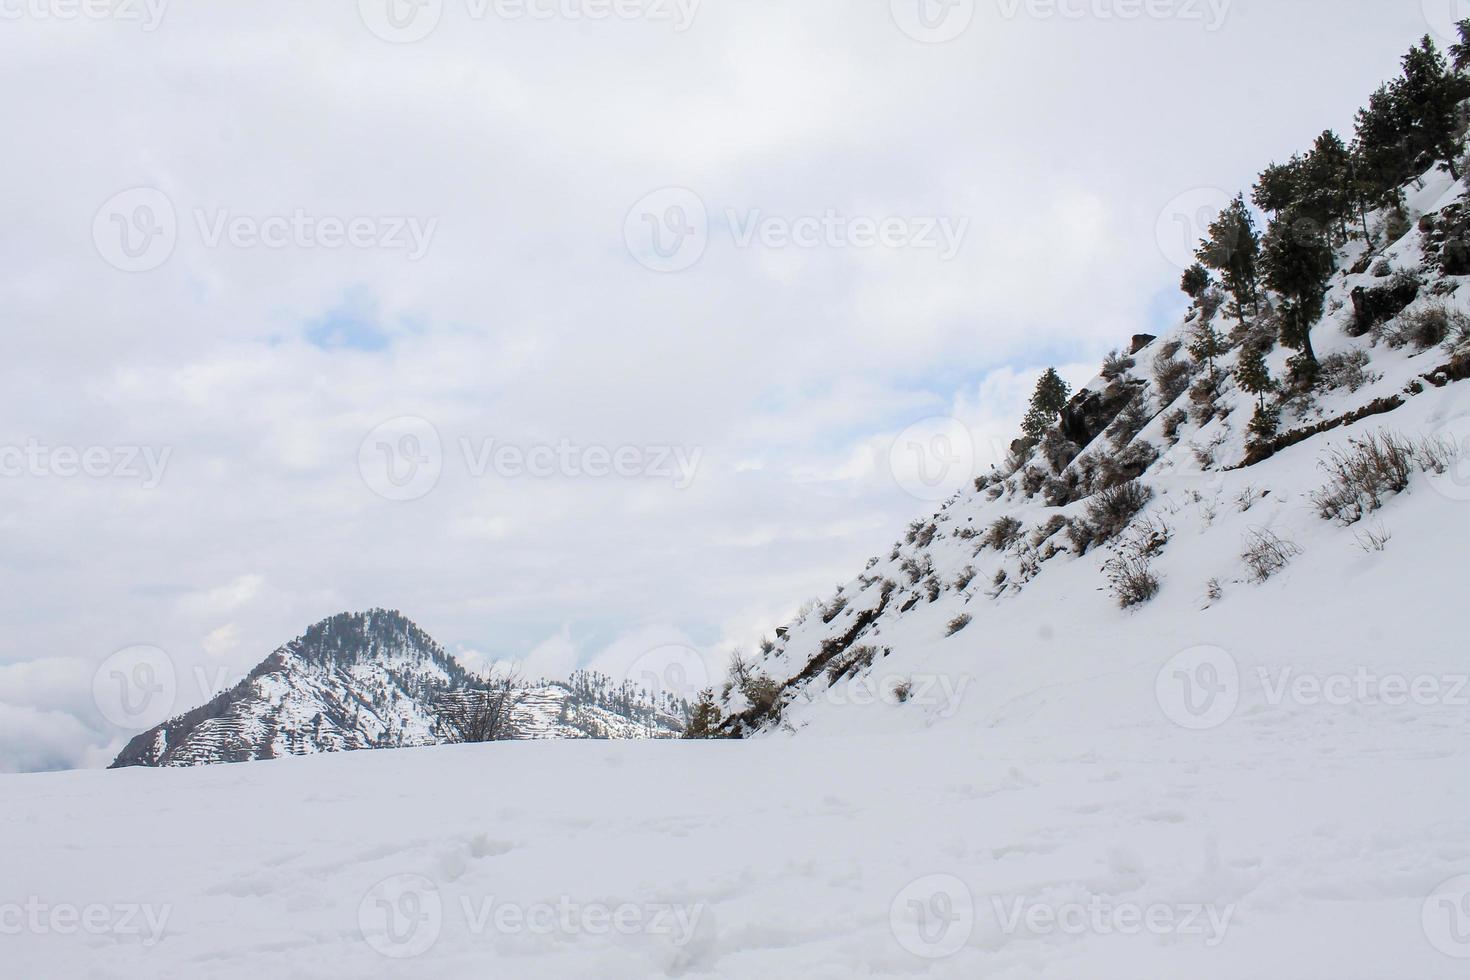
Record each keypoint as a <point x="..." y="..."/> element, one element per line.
<point x="1326" y="185"/>
<point x="1252" y="375"/>
<point x="1461" y="52"/>
<point x="1233" y="249"/>
<point x="1429" y="95"/>
<point x="1382" y="145"/>
<point x="1052" y="393"/>
<point x="1047" y="401"/>
<point x="1196" y="280"/>
<point x="1298" y="263"/>
<point x="1205" y="346"/>
<point x="704" y="718"/>
<point x="1034" y="425"/>
<point x="1361" y="190"/>
<point x="1279" y="186"/>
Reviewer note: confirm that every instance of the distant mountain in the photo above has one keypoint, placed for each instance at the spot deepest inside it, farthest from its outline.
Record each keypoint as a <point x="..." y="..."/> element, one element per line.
<point x="373" y="680"/>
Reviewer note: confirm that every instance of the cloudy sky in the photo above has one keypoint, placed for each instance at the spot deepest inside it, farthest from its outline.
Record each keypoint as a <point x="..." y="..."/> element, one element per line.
<point x="571" y="330"/>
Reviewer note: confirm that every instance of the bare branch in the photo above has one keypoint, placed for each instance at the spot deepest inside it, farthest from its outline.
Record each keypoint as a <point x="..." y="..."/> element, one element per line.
<point x="484" y="714"/>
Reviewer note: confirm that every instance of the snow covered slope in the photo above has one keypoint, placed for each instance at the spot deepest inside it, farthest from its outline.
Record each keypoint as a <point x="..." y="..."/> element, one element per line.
<point x="996" y="606"/>
<point x="366" y="681"/>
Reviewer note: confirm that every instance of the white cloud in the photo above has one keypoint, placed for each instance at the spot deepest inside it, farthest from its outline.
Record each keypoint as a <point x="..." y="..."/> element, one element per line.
<point x="33" y="740"/>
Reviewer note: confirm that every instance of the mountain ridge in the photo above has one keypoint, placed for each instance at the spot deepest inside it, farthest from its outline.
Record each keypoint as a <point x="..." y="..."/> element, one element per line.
<point x="372" y="680"/>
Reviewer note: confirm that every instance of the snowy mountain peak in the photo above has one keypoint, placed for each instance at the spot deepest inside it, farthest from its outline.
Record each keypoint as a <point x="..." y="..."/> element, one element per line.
<point x="377" y="635"/>
<point x="371" y="680"/>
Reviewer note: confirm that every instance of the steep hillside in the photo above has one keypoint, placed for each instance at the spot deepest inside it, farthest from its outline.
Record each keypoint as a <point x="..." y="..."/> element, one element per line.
<point x="366" y="681"/>
<point x="1156" y="506"/>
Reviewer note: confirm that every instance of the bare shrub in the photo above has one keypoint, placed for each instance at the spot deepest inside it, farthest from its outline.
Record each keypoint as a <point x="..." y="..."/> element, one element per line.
<point x="1247" y="498"/>
<point x="1132" y="580"/>
<point x="1459" y="337"/>
<point x="1116" y="365"/>
<point x="958" y="623"/>
<point x="965" y="578"/>
<point x="834" y="608"/>
<point x="1145" y="537"/>
<point x="1173" y="422"/>
<point x="1265" y="553"/>
<point x="1033" y="479"/>
<point x="851" y="662"/>
<point x="1128" y="464"/>
<point x="810" y="606"/>
<point x="1131" y="420"/>
<point x="1210" y="302"/>
<point x="1436" y="455"/>
<point x="999" y="584"/>
<point x="1204" y="455"/>
<point x="1214" y="590"/>
<point x="1204" y="399"/>
<point x="482" y="715"/>
<point x="1362" y="475"/>
<point x="921" y="534"/>
<point x="1347" y="370"/>
<point x="1003" y="533"/>
<point x="1057" y="450"/>
<point x="916" y="570"/>
<point x="1129" y="571"/>
<point x="1110" y="511"/>
<point x="1374" y="539"/>
<point x="1053" y="524"/>
<point x="1028" y="562"/>
<point x="1424" y="328"/>
<point x="762" y="691"/>
<point x="1171" y="377"/>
